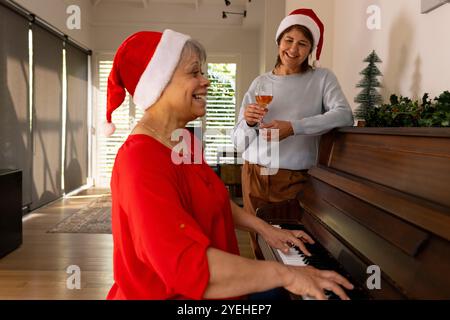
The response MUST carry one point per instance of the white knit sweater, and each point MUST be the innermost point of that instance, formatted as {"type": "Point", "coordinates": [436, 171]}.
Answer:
{"type": "Point", "coordinates": [313, 102]}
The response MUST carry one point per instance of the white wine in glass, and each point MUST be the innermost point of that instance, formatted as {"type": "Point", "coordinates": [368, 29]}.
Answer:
{"type": "Point", "coordinates": [264, 93]}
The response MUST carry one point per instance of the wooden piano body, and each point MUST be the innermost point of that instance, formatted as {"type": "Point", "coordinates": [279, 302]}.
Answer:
{"type": "Point", "coordinates": [380, 196]}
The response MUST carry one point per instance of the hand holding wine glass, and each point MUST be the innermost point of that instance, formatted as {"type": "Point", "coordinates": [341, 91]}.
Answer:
{"type": "Point", "coordinates": [264, 94]}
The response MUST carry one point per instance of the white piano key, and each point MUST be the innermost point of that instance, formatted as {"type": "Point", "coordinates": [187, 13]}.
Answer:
{"type": "Point", "coordinates": [292, 258]}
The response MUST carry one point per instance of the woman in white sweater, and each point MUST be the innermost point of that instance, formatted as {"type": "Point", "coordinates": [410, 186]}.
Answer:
{"type": "Point", "coordinates": [307, 102]}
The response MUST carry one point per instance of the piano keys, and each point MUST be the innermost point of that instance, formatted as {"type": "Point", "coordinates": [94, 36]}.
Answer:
{"type": "Point", "coordinates": [319, 259]}
{"type": "Point", "coordinates": [376, 197]}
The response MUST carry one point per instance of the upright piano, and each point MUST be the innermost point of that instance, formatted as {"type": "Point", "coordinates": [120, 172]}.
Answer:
{"type": "Point", "coordinates": [378, 198]}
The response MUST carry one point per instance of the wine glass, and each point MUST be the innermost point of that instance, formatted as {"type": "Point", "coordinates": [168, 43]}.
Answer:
{"type": "Point", "coordinates": [264, 94]}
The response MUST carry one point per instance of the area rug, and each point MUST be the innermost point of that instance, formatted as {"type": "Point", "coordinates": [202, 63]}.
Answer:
{"type": "Point", "coordinates": [93, 218]}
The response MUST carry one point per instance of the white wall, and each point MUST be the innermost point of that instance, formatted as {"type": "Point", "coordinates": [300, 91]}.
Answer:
{"type": "Point", "coordinates": [274, 12]}
{"type": "Point", "coordinates": [414, 47]}
{"type": "Point", "coordinates": [54, 12]}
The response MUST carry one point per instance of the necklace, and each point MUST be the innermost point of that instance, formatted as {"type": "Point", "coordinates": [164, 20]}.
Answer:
{"type": "Point", "coordinates": [156, 135]}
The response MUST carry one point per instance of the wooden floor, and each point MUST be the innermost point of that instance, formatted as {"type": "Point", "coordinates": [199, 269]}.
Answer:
{"type": "Point", "coordinates": [38, 269]}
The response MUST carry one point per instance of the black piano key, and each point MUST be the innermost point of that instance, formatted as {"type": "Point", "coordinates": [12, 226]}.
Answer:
{"type": "Point", "coordinates": [292, 226]}
{"type": "Point", "coordinates": [331, 295]}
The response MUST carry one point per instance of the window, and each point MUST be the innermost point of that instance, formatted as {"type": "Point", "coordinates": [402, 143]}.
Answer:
{"type": "Point", "coordinates": [44, 107]}
{"type": "Point", "coordinates": [124, 119]}
{"type": "Point", "coordinates": [221, 111]}
{"type": "Point", "coordinates": [216, 125]}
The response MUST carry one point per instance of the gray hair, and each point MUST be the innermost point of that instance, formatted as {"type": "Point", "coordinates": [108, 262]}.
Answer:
{"type": "Point", "coordinates": [193, 47]}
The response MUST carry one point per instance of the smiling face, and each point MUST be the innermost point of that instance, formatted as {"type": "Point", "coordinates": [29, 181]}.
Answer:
{"type": "Point", "coordinates": [187, 90]}
{"type": "Point", "coordinates": [293, 51]}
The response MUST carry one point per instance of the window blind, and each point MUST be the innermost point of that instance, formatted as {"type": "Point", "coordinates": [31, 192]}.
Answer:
{"type": "Point", "coordinates": [15, 130]}
{"type": "Point", "coordinates": [47, 116]}
{"type": "Point", "coordinates": [123, 117]}
{"type": "Point", "coordinates": [76, 136]}
{"type": "Point", "coordinates": [221, 112]}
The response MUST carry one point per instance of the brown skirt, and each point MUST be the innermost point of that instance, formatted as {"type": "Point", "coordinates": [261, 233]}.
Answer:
{"type": "Point", "coordinates": [258, 190]}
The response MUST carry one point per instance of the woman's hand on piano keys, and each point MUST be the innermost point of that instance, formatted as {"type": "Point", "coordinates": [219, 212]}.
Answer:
{"type": "Point", "coordinates": [283, 239]}
{"type": "Point", "coordinates": [311, 282]}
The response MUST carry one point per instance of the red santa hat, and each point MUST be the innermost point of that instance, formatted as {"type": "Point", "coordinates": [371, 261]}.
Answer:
{"type": "Point", "coordinates": [307, 18]}
{"type": "Point", "coordinates": [143, 65]}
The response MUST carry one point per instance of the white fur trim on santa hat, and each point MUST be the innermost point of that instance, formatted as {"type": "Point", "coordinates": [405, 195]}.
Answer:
{"type": "Point", "coordinates": [108, 129]}
{"type": "Point", "coordinates": [302, 20]}
{"type": "Point", "coordinates": [160, 69]}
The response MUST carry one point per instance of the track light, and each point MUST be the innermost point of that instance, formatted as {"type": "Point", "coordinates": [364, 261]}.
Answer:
{"type": "Point", "coordinates": [228, 2]}
{"type": "Point", "coordinates": [224, 13]}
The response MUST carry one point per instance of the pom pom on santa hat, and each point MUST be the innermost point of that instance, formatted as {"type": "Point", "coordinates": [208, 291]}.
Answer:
{"type": "Point", "coordinates": [307, 18]}
{"type": "Point", "coordinates": [143, 65]}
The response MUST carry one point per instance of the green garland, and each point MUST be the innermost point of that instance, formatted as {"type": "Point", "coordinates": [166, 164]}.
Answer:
{"type": "Point", "coordinates": [403, 112]}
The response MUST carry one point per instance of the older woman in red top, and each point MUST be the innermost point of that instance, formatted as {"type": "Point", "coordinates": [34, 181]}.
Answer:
{"type": "Point", "coordinates": [173, 222]}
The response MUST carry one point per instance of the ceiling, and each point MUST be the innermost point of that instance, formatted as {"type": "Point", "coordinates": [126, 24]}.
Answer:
{"type": "Point", "coordinates": [201, 12]}
{"type": "Point", "coordinates": [146, 3]}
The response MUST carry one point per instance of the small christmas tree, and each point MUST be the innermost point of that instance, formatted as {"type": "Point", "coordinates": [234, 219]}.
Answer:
{"type": "Point", "coordinates": [369, 97]}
